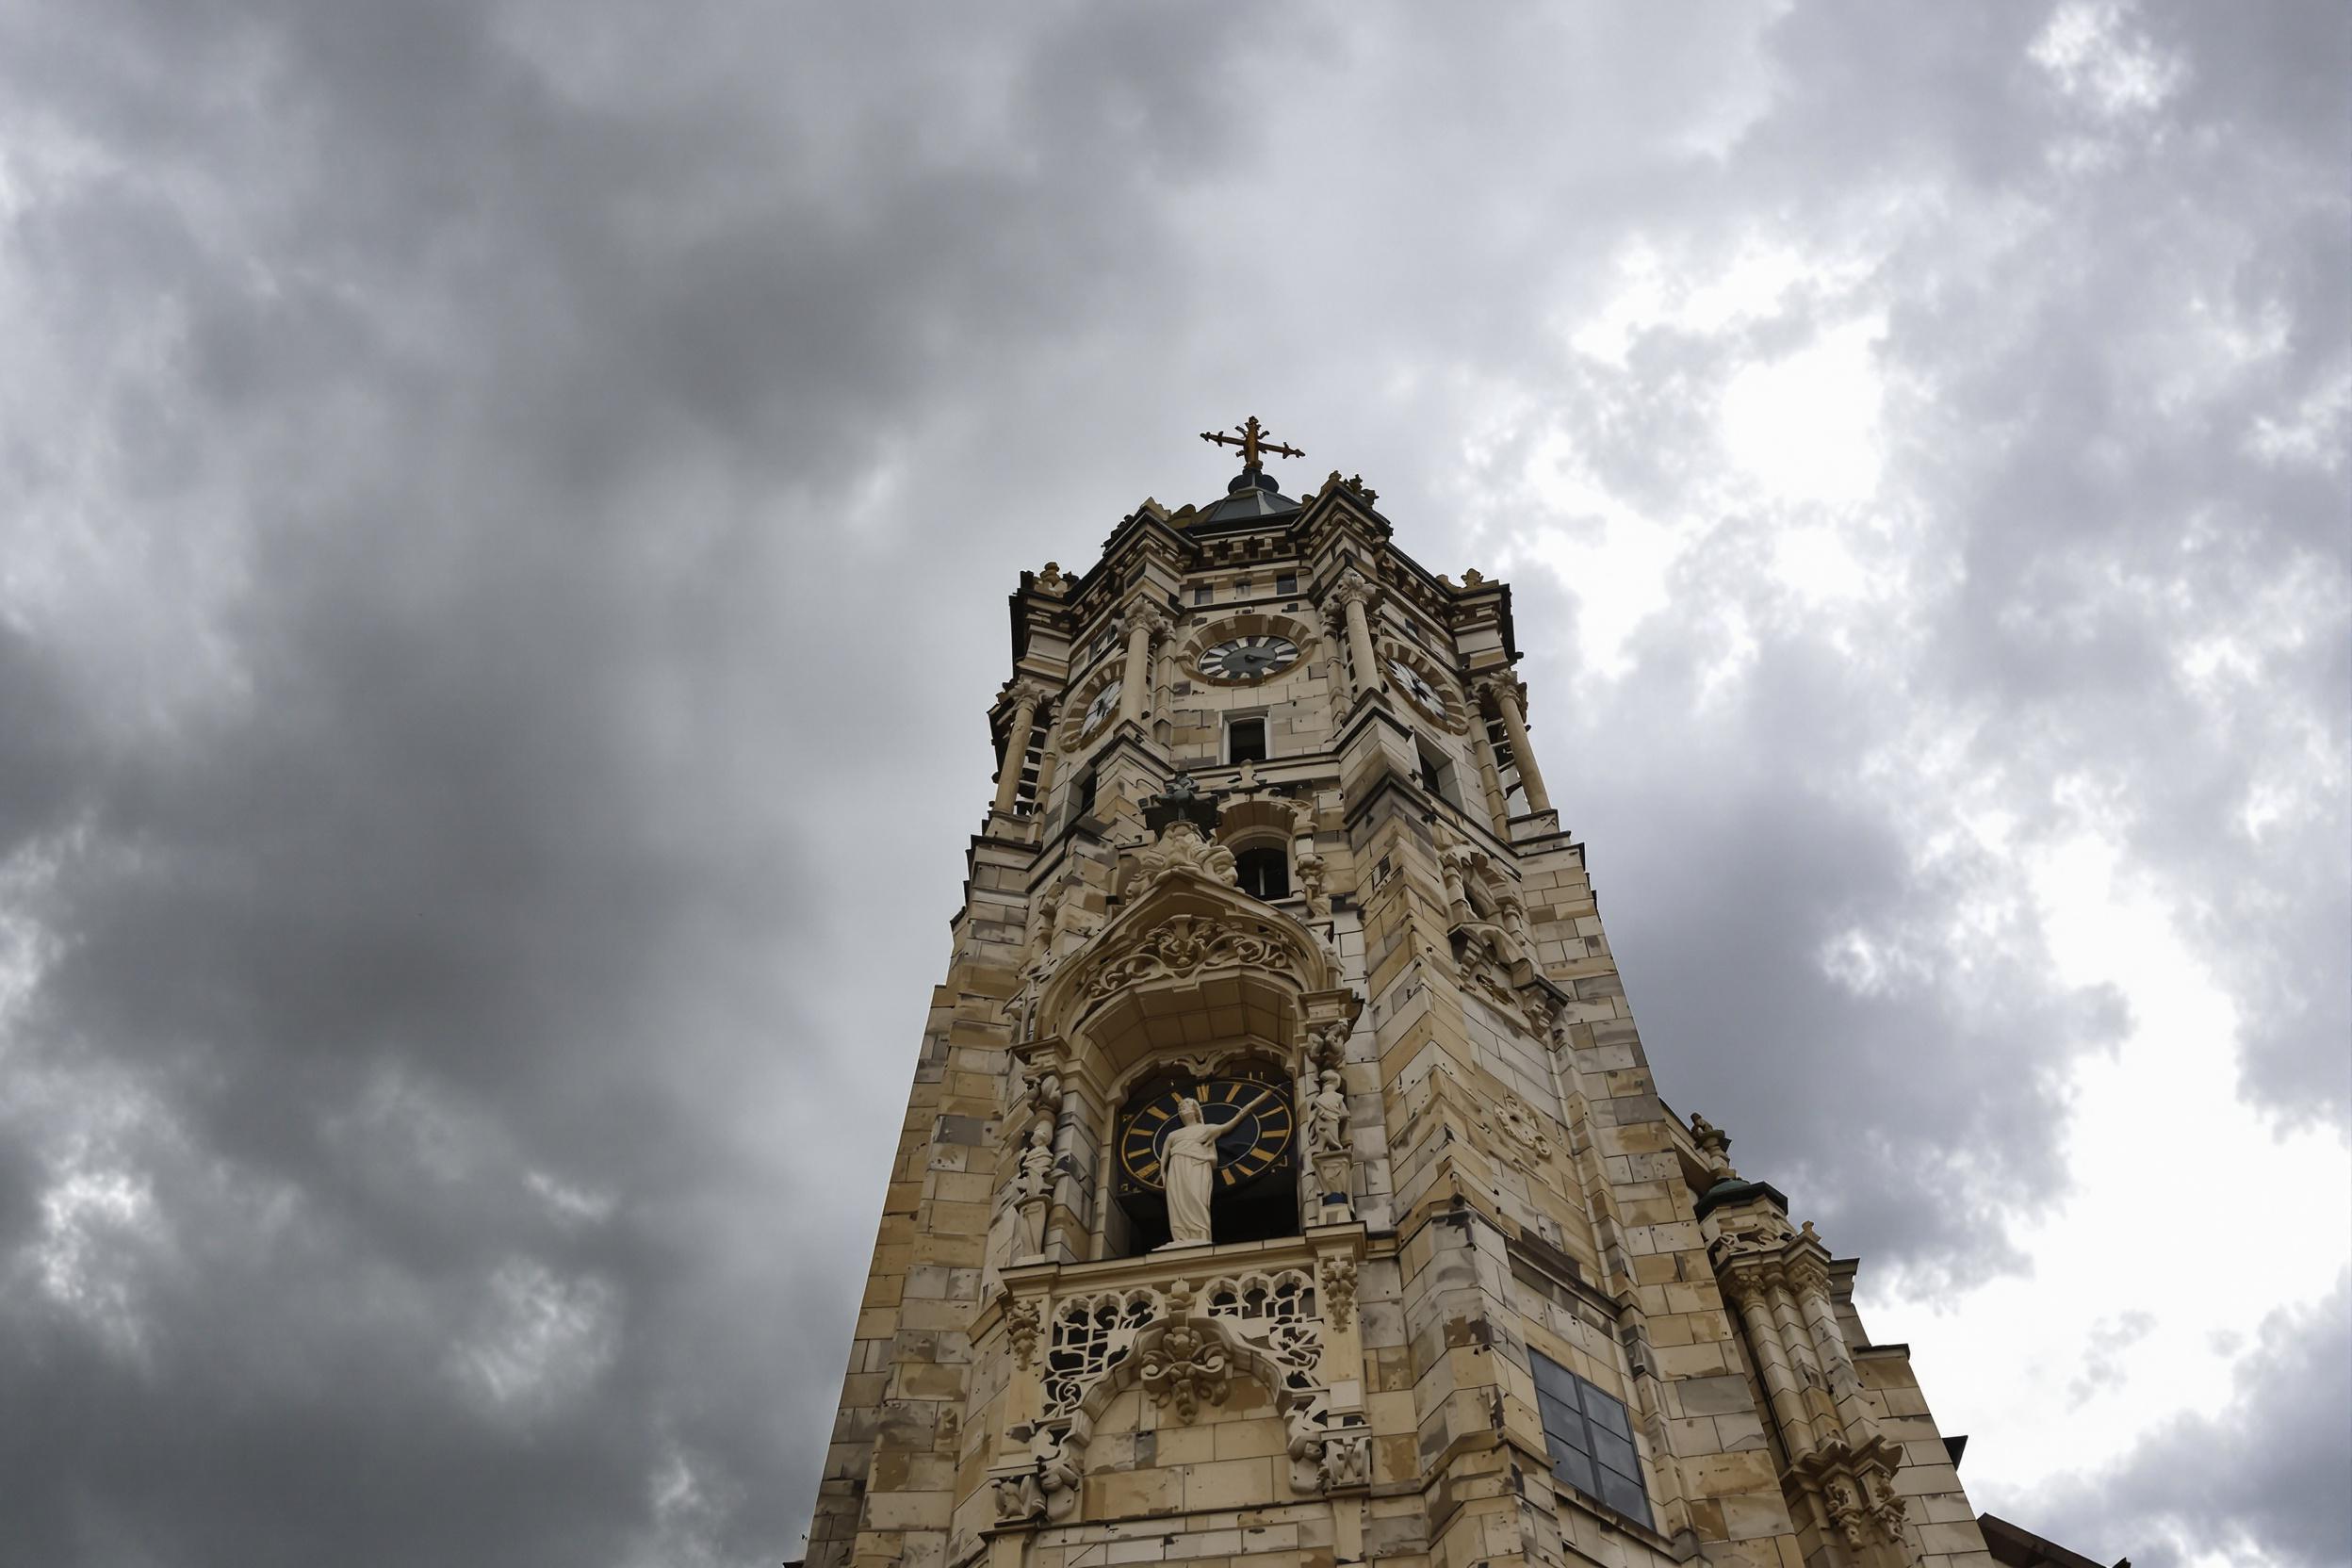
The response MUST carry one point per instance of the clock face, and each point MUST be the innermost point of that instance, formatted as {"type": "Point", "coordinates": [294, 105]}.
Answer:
{"type": "Point", "coordinates": [1251, 1144]}
{"type": "Point", "coordinates": [1420, 691]}
{"type": "Point", "coordinates": [1105, 703]}
{"type": "Point", "coordinates": [1252, 658]}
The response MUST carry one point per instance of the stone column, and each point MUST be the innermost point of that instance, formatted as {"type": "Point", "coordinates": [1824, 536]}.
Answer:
{"type": "Point", "coordinates": [1829, 1341]}
{"type": "Point", "coordinates": [1334, 623]}
{"type": "Point", "coordinates": [1028, 698]}
{"type": "Point", "coordinates": [1354, 594]}
{"type": "Point", "coordinates": [1814, 1382]}
{"type": "Point", "coordinates": [1752, 1296]}
{"type": "Point", "coordinates": [1490, 779]}
{"type": "Point", "coordinates": [1506, 694]}
{"type": "Point", "coordinates": [1145, 625]}
{"type": "Point", "coordinates": [1046, 765]}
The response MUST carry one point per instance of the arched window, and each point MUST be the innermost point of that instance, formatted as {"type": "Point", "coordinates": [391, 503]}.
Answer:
{"type": "Point", "coordinates": [1263, 873]}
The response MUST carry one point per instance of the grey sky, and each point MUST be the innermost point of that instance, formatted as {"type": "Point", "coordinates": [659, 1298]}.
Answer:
{"type": "Point", "coordinates": [504, 515]}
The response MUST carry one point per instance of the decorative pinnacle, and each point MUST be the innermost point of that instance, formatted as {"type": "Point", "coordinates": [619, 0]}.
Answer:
{"type": "Point", "coordinates": [1253, 442]}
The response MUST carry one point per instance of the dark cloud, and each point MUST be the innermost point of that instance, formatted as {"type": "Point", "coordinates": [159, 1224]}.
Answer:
{"type": "Point", "coordinates": [474, 851]}
{"type": "Point", "coordinates": [2263, 1479]}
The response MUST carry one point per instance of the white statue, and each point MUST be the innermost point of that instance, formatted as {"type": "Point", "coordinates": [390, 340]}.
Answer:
{"type": "Point", "coordinates": [1188, 1154]}
{"type": "Point", "coordinates": [1032, 1184]}
{"type": "Point", "coordinates": [1327, 1139]}
{"type": "Point", "coordinates": [1327, 1116]}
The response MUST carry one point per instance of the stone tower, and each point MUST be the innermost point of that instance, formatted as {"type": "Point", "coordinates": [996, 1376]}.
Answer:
{"type": "Point", "coordinates": [1272, 930]}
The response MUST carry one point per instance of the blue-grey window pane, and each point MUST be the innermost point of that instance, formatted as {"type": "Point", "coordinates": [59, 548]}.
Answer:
{"type": "Point", "coordinates": [1561, 1421]}
{"type": "Point", "coordinates": [1574, 1469]}
{"type": "Point", "coordinates": [1614, 1452]}
{"type": "Point", "coordinates": [1624, 1496]}
{"type": "Point", "coordinates": [1555, 1379]}
{"type": "Point", "coordinates": [1606, 1410]}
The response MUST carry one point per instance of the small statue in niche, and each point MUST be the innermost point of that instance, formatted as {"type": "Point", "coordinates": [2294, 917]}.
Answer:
{"type": "Point", "coordinates": [1037, 1162]}
{"type": "Point", "coordinates": [1327, 1139]}
{"type": "Point", "coordinates": [1327, 1116]}
{"type": "Point", "coordinates": [1032, 1185]}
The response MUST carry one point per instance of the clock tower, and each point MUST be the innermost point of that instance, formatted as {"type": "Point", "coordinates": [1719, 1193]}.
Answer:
{"type": "Point", "coordinates": [1284, 1178]}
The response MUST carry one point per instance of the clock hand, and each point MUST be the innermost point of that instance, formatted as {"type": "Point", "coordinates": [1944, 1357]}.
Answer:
{"type": "Point", "coordinates": [1264, 1095]}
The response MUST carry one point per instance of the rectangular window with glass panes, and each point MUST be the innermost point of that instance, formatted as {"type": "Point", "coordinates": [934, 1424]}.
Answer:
{"type": "Point", "coordinates": [1591, 1440]}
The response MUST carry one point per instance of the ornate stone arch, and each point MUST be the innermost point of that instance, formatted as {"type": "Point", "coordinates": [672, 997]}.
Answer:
{"type": "Point", "coordinates": [1188, 942]}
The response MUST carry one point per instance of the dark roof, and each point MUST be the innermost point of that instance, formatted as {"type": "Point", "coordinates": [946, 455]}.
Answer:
{"type": "Point", "coordinates": [1733, 1191]}
{"type": "Point", "coordinates": [1250, 497]}
{"type": "Point", "coordinates": [2016, 1547]}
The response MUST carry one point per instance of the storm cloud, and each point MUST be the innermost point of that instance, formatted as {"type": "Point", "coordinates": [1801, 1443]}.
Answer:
{"type": "Point", "coordinates": [503, 515]}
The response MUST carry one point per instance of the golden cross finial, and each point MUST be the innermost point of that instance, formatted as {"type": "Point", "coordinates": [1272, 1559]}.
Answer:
{"type": "Point", "coordinates": [1252, 441]}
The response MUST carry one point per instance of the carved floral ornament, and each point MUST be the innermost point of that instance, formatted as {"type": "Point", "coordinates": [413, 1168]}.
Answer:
{"type": "Point", "coordinates": [1482, 975]}
{"type": "Point", "coordinates": [1187, 1365]}
{"type": "Point", "coordinates": [1182, 1348]}
{"type": "Point", "coordinates": [1338, 1277]}
{"type": "Point", "coordinates": [1494, 690]}
{"type": "Point", "coordinates": [1187, 944]}
{"type": "Point", "coordinates": [1027, 693]}
{"type": "Point", "coordinates": [1522, 1135]}
{"type": "Point", "coordinates": [1149, 615]}
{"type": "Point", "coordinates": [1023, 1322]}
{"type": "Point", "coordinates": [1180, 847]}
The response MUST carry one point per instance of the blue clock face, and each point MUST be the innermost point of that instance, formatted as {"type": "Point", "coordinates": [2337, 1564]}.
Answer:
{"type": "Point", "coordinates": [1252, 658]}
{"type": "Point", "coordinates": [1251, 1144]}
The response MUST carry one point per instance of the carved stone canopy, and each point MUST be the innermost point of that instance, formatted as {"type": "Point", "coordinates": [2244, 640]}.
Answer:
{"type": "Point", "coordinates": [1186, 945]}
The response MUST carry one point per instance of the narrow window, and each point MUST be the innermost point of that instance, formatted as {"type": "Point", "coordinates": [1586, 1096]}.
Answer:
{"type": "Point", "coordinates": [1241, 588]}
{"type": "Point", "coordinates": [1203, 593]}
{"type": "Point", "coordinates": [1245, 741]}
{"type": "Point", "coordinates": [1263, 873]}
{"type": "Point", "coordinates": [1437, 775]}
{"type": "Point", "coordinates": [1590, 1439]}
{"type": "Point", "coordinates": [1086, 793]}
{"type": "Point", "coordinates": [1286, 583]}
